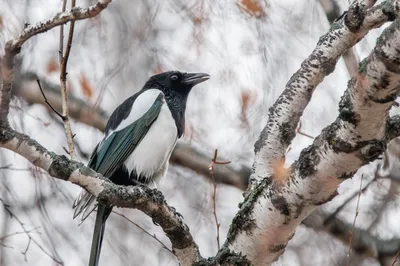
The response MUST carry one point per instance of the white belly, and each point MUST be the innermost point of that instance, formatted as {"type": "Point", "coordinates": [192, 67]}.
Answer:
{"type": "Point", "coordinates": [150, 157]}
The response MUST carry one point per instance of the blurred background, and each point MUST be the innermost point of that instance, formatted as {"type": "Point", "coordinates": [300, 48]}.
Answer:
{"type": "Point", "coordinates": [250, 48]}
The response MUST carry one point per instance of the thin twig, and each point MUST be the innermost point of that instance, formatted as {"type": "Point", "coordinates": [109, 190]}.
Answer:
{"type": "Point", "coordinates": [145, 231]}
{"type": "Point", "coordinates": [47, 101]}
{"type": "Point", "coordinates": [354, 222]}
{"type": "Point", "coordinates": [70, 37]}
{"type": "Point", "coordinates": [19, 233]}
{"type": "Point", "coordinates": [211, 168]}
{"type": "Point", "coordinates": [28, 234]}
{"type": "Point", "coordinates": [63, 79]}
{"type": "Point", "coordinates": [61, 49]}
{"type": "Point", "coordinates": [396, 257]}
{"type": "Point", "coordinates": [298, 130]}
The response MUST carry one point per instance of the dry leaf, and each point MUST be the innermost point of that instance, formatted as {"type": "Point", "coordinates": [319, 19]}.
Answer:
{"type": "Point", "coordinates": [70, 89]}
{"type": "Point", "coordinates": [86, 87]}
{"type": "Point", "coordinates": [158, 69]}
{"type": "Point", "coordinates": [251, 7]}
{"type": "Point", "coordinates": [281, 174]}
{"type": "Point", "coordinates": [197, 20]}
{"type": "Point", "coordinates": [52, 66]}
{"type": "Point", "coordinates": [247, 98]}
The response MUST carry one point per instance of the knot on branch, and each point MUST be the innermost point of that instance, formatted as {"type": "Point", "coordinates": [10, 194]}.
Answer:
{"type": "Point", "coordinates": [346, 107]}
{"type": "Point", "coordinates": [373, 149]}
{"type": "Point", "coordinates": [62, 167]}
{"type": "Point", "coordinates": [355, 17]}
{"type": "Point", "coordinates": [5, 133]}
{"type": "Point", "coordinates": [225, 257]}
{"type": "Point", "coordinates": [127, 196]}
{"type": "Point", "coordinates": [390, 9]}
{"type": "Point", "coordinates": [281, 204]}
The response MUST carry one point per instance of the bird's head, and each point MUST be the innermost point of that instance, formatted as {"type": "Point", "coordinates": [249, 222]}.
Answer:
{"type": "Point", "coordinates": [176, 81]}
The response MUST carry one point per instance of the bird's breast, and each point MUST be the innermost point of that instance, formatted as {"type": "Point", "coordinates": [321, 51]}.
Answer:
{"type": "Point", "coordinates": [150, 157]}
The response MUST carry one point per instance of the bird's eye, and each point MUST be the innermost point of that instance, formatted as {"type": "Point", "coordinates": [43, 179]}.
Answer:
{"type": "Point", "coordinates": [174, 77]}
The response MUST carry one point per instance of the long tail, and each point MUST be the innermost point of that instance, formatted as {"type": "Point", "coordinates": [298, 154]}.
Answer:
{"type": "Point", "coordinates": [102, 214]}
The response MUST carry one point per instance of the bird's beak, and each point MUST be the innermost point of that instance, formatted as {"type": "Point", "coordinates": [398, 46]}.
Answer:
{"type": "Point", "coordinates": [195, 78]}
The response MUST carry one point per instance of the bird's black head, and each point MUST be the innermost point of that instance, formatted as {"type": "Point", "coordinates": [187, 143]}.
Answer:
{"type": "Point", "coordinates": [176, 82]}
{"type": "Point", "coordinates": [176, 87]}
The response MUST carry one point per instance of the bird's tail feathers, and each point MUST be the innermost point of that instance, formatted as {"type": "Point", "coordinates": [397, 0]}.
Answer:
{"type": "Point", "coordinates": [102, 214]}
{"type": "Point", "coordinates": [84, 204]}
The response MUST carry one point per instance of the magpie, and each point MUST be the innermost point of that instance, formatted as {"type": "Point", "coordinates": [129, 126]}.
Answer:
{"type": "Point", "coordinates": [137, 143]}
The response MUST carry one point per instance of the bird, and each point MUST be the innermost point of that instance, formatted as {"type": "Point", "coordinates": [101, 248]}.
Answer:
{"type": "Point", "coordinates": [138, 140]}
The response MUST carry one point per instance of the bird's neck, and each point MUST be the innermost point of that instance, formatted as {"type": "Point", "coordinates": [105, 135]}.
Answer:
{"type": "Point", "coordinates": [177, 105]}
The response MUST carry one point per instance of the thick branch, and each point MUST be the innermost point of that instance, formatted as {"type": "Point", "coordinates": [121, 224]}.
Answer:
{"type": "Point", "coordinates": [149, 201]}
{"type": "Point", "coordinates": [188, 156]}
{"type": "Point", "coordinates": [26, 87]}
{"type": "Point", "coordinates": [271, 211]}
{"type": "Point", "coordinates": [332, 11]}
{"type": "Point", "coordinates": [13, 47]}
{"type": "Point", "coordinates": [285, 114]}
{"type": "Point", "coordinates": [363, 242]}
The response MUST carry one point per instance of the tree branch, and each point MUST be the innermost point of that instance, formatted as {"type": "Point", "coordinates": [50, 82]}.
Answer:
{"type": "Point", "coordinates": [149, 201]}
{"type": "Point", "coordinates": [271, 211]}
{"type": "Point", "coordinates": [13, 47]}
{"type": "Point", "coordinates": [26, 88]}
{"type": "Point", "coordinates": [63, 80]}
{"type": "Point", "coordinates": [285, 114]}
{"type": "Point", "coordinates": [28, 234]}
{"type": "Point", "coordinates": [143, 198]}
{"type": "Point", "coordinates": [187, 156]}
{"type": "Point", "coordinates": [332, 11]}
{"type": "Point", "coordinates": [363, 242]}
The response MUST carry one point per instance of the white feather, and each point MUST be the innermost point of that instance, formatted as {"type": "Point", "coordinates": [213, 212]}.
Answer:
{"type": "Point", "coordinates": [150, 157]}
{"type": "Point", "coordinates": [141, 105]}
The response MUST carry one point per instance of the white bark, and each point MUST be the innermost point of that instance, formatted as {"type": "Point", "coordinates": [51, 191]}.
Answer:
{"type": "Point", "coordinates": [287, 110]}
{"type": "Point", "coordinates": [271, 212]}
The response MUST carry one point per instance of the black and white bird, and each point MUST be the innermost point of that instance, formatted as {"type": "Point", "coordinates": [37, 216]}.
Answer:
{"type": "Point", "coordinates": [138, 140]}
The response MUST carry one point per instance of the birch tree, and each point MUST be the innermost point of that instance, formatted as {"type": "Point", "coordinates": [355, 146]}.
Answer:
{"type": "Point", "coordinates": [278, 197]}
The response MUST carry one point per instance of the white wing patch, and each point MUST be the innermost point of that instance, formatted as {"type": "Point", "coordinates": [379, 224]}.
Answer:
{"type": "Point", "coordinates": [141, 105]}
{"type": "Point", "coordinates": [150, 157]}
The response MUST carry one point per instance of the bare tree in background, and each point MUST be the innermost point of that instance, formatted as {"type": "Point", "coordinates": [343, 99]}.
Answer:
{"type": "Point", "coordinates": [277, 198]}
